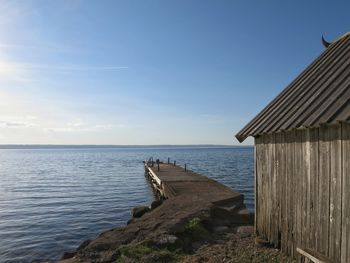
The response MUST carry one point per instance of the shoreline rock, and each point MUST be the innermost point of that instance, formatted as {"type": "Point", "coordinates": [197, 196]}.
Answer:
{"type": "Point", "coordinates": [139, 211]}
{"type": "Point", "coordinates": [180, 224]}
{"type": "Point", "coordinates": [197, 210]}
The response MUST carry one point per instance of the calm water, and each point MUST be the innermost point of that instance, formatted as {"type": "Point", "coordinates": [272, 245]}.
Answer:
{"type": "Point", "coordinates": [53, 199]}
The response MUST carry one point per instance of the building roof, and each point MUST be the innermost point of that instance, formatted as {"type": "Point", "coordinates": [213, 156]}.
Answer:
{"type": "Point", "coordinates": [319, 95]}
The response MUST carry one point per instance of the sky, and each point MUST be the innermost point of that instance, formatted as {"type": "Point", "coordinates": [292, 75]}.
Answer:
{"type": "Point", "coordinates": [151, 72]}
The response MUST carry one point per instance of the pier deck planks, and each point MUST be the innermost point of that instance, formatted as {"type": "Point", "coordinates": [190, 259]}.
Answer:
{"type": "Point", "coordinates": [176, 181]}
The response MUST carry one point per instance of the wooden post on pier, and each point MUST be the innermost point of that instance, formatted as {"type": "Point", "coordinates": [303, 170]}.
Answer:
{"type": "Point", "coordinates": [157, 161]}
{"type": "Point", "coordinates": [168, 160]}
{"type": "Point", "coordinates": [185, 168]}
{"type": "Point", "coordinates": [174, 163]}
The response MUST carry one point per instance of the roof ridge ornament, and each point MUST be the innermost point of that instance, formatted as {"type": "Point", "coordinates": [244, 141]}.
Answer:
{"type": "Point", "coordinates": [325, 43]}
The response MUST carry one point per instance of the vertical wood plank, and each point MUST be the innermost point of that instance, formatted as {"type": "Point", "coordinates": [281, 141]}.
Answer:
{"type": "Point", "coordinates": [291, 191]}
{"type": "Point", "coordinates": [270, 192]}
{"type": "Point", "coordinates": [298, 192]}
{"type": "Point", "coordinates": [272, 188]}
{"type": "Point", "coordinates": [256, 185]}
{"type": "Point", "coordinates": [273, 196]}
{"type": "Point", "coordinates": [259, 182]}
{"type": "Point", "coordinates": [279, 184]}
{"type": "Point", "coordinates": [263, 187]}
{"type": "Point", "coordinates": [314, 179]}
{"type": "Point", "coordinates": [306, 218]}
{"type": "Point", "coordinates": [284, 217]}
{"type": "Point", "coordinates": [289, 166]}
{"type": "Point", "coordinates": [345, 225]}
{"type": "Point", "coordinates": [324, 183]}
{"type": "Point", "coordinates": [287, 187]}
{"type": "Point", "coordinates": [335, 205]}
{"type": "Point", "coordinates": [267, 186]}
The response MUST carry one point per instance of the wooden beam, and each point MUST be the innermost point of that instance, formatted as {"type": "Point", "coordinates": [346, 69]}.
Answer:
{"type": "Point", "coordinates": [314, 256]}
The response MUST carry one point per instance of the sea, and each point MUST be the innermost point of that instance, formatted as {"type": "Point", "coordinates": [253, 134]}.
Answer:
{"type": "Point", "coordinates": [52, 199]}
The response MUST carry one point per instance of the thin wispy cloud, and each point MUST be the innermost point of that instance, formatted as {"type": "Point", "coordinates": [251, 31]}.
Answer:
{"type": "Point", "coordinates": [76, 124]}
{"type": "Point", "coordinates": [14, 124]}
{"type": "Point", "coordinates": [42, 48]}
{"type": "Point", "coordinates": [13, 121]}
{"type": "Point", "coordinates": [38, 67]}
{"type": "Point", "coordinates": [24, 72]}
{"type": "Point", "coordinates": [83, 127]}
{"type": "Point", "coordinates": [29, 66]}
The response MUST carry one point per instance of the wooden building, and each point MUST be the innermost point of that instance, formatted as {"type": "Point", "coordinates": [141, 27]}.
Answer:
{"type": "Point", "coordinates": [302, 160]}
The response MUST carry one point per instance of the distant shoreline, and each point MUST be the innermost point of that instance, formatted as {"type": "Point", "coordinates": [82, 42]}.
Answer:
{"type": "Point", "coordinates": [92, 146]}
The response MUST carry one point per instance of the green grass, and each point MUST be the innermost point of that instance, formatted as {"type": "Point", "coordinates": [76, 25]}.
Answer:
{"type": "Point", "coordinates": [148, 252]}
{"type": "Point", "coordinates": [195, 230]}
{"type": "Point", "coordinates": [145, 252]}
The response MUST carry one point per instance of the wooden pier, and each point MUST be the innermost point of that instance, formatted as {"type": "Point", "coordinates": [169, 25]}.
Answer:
{"type": "Point", "coordinates": [184, 196]}
{"type": "Point", "coordinates": [170, 181]}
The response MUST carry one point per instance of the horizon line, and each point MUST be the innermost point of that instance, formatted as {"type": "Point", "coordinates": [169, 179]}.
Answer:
{"type": "Point", "coordinates": [115, 145]}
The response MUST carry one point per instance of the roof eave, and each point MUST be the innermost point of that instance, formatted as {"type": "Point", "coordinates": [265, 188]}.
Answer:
{"type": "Point", "coordinates": [240, 137]}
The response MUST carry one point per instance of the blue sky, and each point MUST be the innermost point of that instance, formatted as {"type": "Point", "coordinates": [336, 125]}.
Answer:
{"type": "Point", "coordinates": [151, 72]}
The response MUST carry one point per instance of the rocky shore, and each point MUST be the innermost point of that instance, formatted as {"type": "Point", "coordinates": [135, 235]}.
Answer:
{"type": "Point", "coordinates": [182, 229]}
{"type": "Point", "coordinates": [186, 226]}
{"type": "Point", "coordinates": [177, 226]}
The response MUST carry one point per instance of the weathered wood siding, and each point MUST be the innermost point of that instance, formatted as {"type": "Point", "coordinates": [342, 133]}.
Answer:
{"type": "Point", "coordinates": [303, 190]}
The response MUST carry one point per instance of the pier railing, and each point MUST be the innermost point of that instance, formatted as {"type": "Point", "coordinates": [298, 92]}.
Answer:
{"type": "Point", "coordinates": [151, 163]}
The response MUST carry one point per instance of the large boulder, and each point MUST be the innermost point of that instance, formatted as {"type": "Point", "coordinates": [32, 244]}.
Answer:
{"type": "Point", "coordinates": [156, 203]}
{"type": "Point", "coordinates": [139, 211]}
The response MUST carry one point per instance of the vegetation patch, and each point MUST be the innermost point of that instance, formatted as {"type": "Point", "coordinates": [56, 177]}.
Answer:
{"type": "Point", "coordinates": [194, 232]}
{"type": "Point", "coordinates": [149, 252]}
{"type": "Point", "coordinates": [146, 252]}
